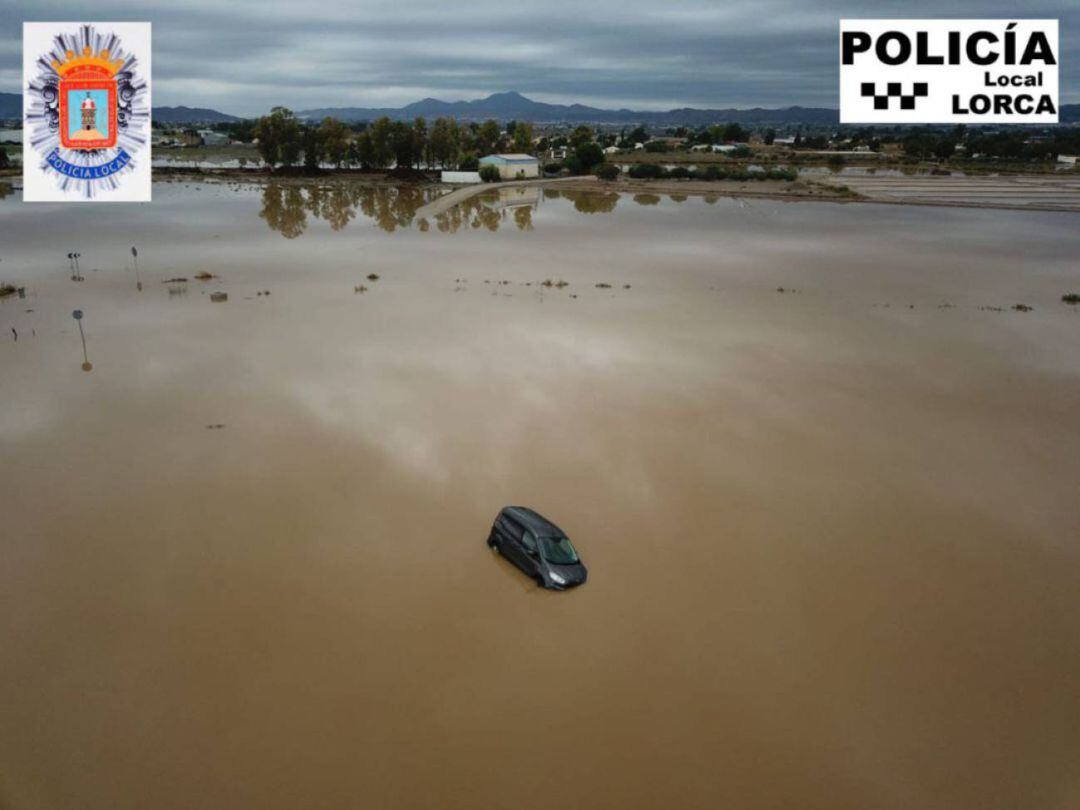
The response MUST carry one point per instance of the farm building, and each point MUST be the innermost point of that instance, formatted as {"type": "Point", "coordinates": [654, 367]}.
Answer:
{"type": "Point", "coordinates": [513, 166]}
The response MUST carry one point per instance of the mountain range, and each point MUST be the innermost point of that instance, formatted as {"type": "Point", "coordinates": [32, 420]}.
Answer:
{"type": "Point", "coordinates": [511, 105]}
{"type": "Point", "coordinates": [190, 115]}
{"type": "Point", "coordinates": [11, 107]}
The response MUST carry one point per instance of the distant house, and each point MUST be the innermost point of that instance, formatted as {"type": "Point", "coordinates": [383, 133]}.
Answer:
{"type": "Point", "coordinates": [1069, 160]}
{"type": "Point", "coordinates": [211, 138]}
{"type": "Point", "coordinates": [611, 150]}
{"type": "Point", "coordinates": [512, 166]}
{"type": "Point", "coordinates": [188, 137]}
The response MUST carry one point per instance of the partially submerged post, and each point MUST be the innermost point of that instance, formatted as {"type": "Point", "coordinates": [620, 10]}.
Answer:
{"type": "Point", "coordinates": [77, 315]}
{"type": "Point", "coordinates": [135, 255]}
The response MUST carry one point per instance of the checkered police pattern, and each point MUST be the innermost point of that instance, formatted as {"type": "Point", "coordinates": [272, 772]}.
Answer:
{"type": "Point", "coordinates": [894, 90]}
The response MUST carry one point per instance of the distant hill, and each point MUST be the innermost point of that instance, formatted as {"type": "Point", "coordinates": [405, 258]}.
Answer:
{"type": "Point", "coordinates": [189, 115]}
{"type": "Point", "coordinates": [506, 106]}
{"type": "Point", "coordinates": [10, 105]}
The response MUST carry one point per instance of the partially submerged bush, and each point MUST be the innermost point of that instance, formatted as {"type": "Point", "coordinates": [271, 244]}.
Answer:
{"type": "Point", "coordinates": [489, 173]}
{"type": "Point", "coordinates": [1071, 298]}
{"type": "Point", "coordinates": [646, 171]}
{"type": "Point", "coordinates": [607, 171]}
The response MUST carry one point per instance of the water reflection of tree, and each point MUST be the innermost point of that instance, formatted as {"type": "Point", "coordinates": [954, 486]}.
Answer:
{"type": "Point", "coordinates": [647, 199]}
{"type": "Point", "coordinates": [285, 208]}
{"type": "Point", "coordinates": [471, 213]}
{"type": "Point", "coordinates": [523, 218]}
{"type": "Point", "coordinates": [6, 190]}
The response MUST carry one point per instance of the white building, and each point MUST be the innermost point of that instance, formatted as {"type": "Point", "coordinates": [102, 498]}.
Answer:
{"type": "Point", "coordinates": [212, 138]}
{"type": "Point", "coordinates": [1069, 160]}
{"type": "Point", "coordinates": [513, 166]}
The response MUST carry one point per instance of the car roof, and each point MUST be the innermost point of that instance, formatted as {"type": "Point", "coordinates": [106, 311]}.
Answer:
{"type": "Point", "coordinates": [530, 519]}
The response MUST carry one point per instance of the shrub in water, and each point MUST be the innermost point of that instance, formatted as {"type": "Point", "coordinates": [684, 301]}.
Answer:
{"type": "Point", "coordinates": [646, 171]}
{"type": "Point", "coordinates": [607, 171]}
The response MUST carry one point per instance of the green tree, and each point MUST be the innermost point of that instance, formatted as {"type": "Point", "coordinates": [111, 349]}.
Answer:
{"type": "Point", "coordinates": [585, 158]}
{"type": "Point", "coordinates": [581, 135]}
{"type": "Point", "coordinates": [4, 161]}
{"type": "Point", "coordinates": [335, 140]}
{"type": "Point", "coordinates": [403, 144]}
{"type": "Point", "coordinates": [523, 136]}
{"type": "Point", "coordinates": [313, 149]}
{"type": "Point", "coordinates": [382, 151]}
{"type": "Point", "coordinates": [363, 151]}
{"type": "Point", "coordinates": [443, 152]}
{"type": "Point", "coordinates": [487, 137]}
{"type": "Point", "coordinates": [944, 149]}
{"type": "Point", "coordinates": [734, 132]}
{"type": "Point", "coordinates": [770, 137]}
{"type": "Point", "coordinates": [420, 140]}
{"type": "Point", "coordinates": [279, 137]}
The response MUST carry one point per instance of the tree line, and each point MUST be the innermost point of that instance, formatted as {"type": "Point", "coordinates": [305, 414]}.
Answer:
{"type": "Point", "coordinates": [286, 141]}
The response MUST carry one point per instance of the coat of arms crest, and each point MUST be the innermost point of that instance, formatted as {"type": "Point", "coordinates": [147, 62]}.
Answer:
{"type": "Point", "coordinates": [87, 112]}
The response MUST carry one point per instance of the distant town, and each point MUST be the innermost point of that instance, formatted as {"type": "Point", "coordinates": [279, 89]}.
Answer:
{"type": "Point", "coordinates": [562, 140]}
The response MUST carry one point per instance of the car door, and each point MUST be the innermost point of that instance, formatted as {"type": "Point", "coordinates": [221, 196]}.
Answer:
{"type": "Point", "coordinates": [514, 549]}
{"type": "Point", "coordinates": [508, 536]}
{"type": "Point", "coordinates": [530, 552]}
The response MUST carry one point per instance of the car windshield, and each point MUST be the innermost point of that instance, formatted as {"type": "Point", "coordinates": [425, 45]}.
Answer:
{"type": "Point", "coordinates": [558, 550]}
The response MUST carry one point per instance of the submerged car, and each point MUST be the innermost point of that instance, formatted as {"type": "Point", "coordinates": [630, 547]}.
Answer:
{"type": "Point", "coordinates": [538, 547]}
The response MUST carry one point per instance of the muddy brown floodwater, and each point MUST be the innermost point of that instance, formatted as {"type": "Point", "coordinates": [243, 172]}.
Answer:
{"type": "Point", "coordinates": [832, 532]}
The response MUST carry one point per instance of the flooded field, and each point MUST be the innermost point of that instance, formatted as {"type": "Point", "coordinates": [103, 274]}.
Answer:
{"type": "Point", "coordinates": [823, 474]}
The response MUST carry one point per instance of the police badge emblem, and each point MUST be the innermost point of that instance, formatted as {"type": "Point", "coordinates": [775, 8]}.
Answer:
{"type": "Point", "coordinates": [86, 111]}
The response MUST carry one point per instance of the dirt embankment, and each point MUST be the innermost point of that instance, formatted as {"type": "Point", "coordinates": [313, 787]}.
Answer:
{"type": "Point", "coordinates": [785, 189]}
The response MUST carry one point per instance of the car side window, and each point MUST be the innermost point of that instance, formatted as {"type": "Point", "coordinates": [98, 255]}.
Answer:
{"type": "Point", "coordinates": [528, 541]}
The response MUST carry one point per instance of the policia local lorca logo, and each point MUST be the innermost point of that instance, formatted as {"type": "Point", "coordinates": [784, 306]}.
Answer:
{"type": "Point", "coordinates": [948, 71]}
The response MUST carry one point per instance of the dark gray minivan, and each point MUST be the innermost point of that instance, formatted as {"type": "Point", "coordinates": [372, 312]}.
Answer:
{"type": "Point", "coordinates": [538, 547]}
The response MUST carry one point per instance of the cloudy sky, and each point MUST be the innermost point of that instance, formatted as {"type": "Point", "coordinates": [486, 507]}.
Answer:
{"type": "Point", "coordinates": [243, 56]}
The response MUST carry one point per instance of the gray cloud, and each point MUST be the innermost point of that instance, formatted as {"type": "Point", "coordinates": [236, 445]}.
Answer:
{"type": "Point", "coordinates": [246, 55]}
